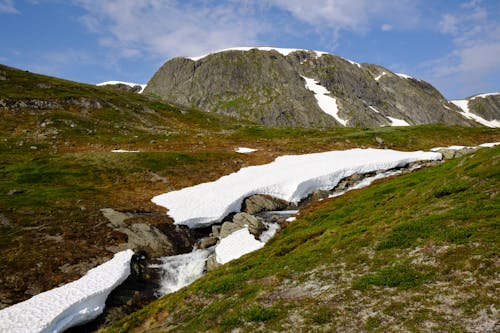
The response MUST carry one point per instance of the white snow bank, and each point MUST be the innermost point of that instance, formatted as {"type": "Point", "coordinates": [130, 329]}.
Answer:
{"type": "Point", "coordinates": [236, 245]}
{"type": "Point", "coordinates": [327, 103]}
{"type": "Point", "coordinates": [397, 122]}
{"type": "Point", "coordinates": [489, 144]}
{"type": "Point", "coordinates": [181, 270]}
{"type": "Point", "coordinates": [373, 109]}
{"type": "Point", "coordinates": [69, 305]}
{"type": "Point", "coordinates": [244, 150]}
{"type": "Point", "coordinates": [289, 178]}
{"type": "Point", "coordinates": [464, 105]}
{"type": "Point", "coordinates": [130, 84]}
{"type": "Point", "coordinates": [124, 151]}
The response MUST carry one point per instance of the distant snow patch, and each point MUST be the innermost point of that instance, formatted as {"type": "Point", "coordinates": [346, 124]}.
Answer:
{"type": "Point", "coordinates": [244, 150]}
{"type": "Point", "coordinates": [373, 109]}
{"type": "Point", "coordinates": [483, 95]}
{"type": "Point", "coordinates": [327, 103]}
{"type": "Point", "coordinates": [397, 122]}
{"type": "Point", "coordinates": [291, 219]}
{"type": "Point", "coordinates": [236, 245]}
{"type": "Point", "coordinates": [464, 105]}
{"type": "Point", "coordinates": [380, 76]}
{"type": "Point", "coordinates": [130, 84]}
{"type": "Point", "coordinates": [352, 62]}
{"type": "Point", "coordinates": [404, 76]}
{"type": "Point", "coordinates": [71, 304]}
{"type": "Point", "coordinates": [485, 145]}
{"type": "Point", "coordinates": [124, 151]}
{"type": "Point", "coordinates": [290, 178]}
{"type": "Point", "coordinates": [283, 51]}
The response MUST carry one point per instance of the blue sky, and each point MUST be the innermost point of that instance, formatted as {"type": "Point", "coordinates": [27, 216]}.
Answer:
{"type": "Point", "coordinates": [455, 45]}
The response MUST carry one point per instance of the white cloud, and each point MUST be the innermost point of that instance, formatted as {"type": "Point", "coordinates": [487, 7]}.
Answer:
{"type": "Point", "coordinates": [352, 15]}
{"type": "Point", "coordinates": [170, 28]}
{"type": "Point", "coordinates": [386, 27]}
{"type": "Point", "coordinates": [474, 61]}
{"type": "Point", "coordinates": [7, 7]}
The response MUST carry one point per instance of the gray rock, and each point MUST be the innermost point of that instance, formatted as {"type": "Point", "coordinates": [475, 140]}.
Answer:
{"type": "Point", "coordinates": [486, 107]}
{"type": "Point", "coordinates": [216, 230]}
{"type": "Point", "coordinates": [212, 263]}
{"type": "Point", "coordinates": [144, 237]}
{"type": "Point", "coordinates": [449, 154]}
{"type": "Point", "coordinates": [116, 218]}
{"type": "Point", "coordinates": [207, 242]}
{"type": "Point", "coordinates": [228, 228]}
{"type": "Point", "coordinates": [259, 203]}
{"type": "Point", "coordinates": [255, 225]}
{"type": "Point", "coordinates": [268, 88]}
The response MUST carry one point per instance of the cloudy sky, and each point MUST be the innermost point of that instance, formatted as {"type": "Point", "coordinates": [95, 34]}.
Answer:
{"type": "Point", "coordinates": [453, 44]}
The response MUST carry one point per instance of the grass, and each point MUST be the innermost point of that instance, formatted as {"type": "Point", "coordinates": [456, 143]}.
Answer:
{"type": "Point", "coordinates": [57, 172]}
{"type": "Point", "coordinates": [395, 250]}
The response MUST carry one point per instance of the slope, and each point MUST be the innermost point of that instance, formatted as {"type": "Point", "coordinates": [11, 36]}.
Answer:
{"type": "Point", "coordinates": [270, 86]}
{"type": "Point", "coordinates": [57, 168]}
{"type": "Point", "coordinates": [415, 253]}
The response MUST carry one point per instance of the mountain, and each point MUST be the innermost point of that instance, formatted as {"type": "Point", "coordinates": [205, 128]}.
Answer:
{"type": "Point", "coordinates": [484, 108]}
{"type": "Point", "coordinates": [291, 87]}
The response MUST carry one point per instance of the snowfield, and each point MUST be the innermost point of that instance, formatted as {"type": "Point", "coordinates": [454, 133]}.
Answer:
{"type": "Point", "coordinates": [326, 103]}
{"type": "Point", "coordinates": [244, 150]}
{"type": "Point", "coordinates": [236, 245]}
{"type": "Point", "coordinates": [291, 178]}
{"type": "Point", "coordinates": [71, 304]}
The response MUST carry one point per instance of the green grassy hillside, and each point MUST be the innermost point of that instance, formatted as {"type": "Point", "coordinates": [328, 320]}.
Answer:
{"type": "Point", "coordinates": [415, 253]}
{"type": "Point", "coordinates": [57, 170]}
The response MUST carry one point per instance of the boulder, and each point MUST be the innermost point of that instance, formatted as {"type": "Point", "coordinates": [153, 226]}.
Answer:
{"type": "Point", "coordinates": [148, 238]}
{"type": "Point", "coordinates": [259, 203]}
{"type": "Point", "coordinates": [212, 263]}
{"type": "Point", "coordinates": [207, 242]}
{"type": "Point", "coordinates": [240, 221]}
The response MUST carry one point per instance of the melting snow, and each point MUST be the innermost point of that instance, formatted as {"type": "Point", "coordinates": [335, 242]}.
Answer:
{"type": "Point", "coordinates": [404, 76]}
{"type": "Point", "coordinates": [181, 270]}
{"type": "Point", "coordinates": [486, 145]}
{"type": "Point", "coordinates": [69, 305]}
{"type": "Point", "coordinates": [464, 105]}
{"type": "Point", "coordinates": [283, 51]}
{"type": "Point", "coordinates": [289, 178]}
{"type": "Point", "coordinates": [124, 151]}
{"type": "Point", "coordinates": [130, 84]}
{"type": "Point", "coordinates": [327, 103]}
{"type": "Point", "coordinates": [236, 245]}
{"type": "Point", "coordinates": [397, 122]}
{"type": "Point", "coordinates": [380, 76]}
{"type": "Point", "coordinates": [484, 95]}
{"type": "Point", "coordinates": [244, 150]}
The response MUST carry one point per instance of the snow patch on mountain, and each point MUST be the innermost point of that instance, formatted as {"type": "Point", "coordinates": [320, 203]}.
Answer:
{"type": "Point", "coordinates": [71, 304]}
{"type": "Point", "coordinates": [404, 76]}
{"type": "Point", "coordinates": [326, 103]}
{"type": "Point", "coordinates": [397, 122]}
{"type": "Point", "coordinates": [378, 77]}
{"type": "Point", "coordinates": [130, 84]}
{"type": "Point", "coordinates": [464, 105]}
{"type": "Point", "coordinates": [290, 178]}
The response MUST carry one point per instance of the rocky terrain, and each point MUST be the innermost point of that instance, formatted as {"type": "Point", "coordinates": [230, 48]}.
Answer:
{"type": "Point", "coordinates": [68, 202]}
{"type": "Point", "coordinates": [268, 86]}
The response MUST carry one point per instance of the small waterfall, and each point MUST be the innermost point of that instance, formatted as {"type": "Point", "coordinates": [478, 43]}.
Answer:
{"type": "Point", "coordinates": [181, 270]}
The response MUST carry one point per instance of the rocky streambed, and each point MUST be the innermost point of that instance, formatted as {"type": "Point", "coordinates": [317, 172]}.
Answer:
{"type": "Point", "coordinates": [191, 252]}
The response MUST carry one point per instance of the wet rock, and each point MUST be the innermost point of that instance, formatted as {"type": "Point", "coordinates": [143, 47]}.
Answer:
{"type": "Point", "coordinates": [216, 230]}
{"type": "Point", "coordinates": [207, 242]}
{"type": "Point", "coordinates": [148, 238]}
{"type": "Point", "coordinates": [259, 202]}
{"type": "Point", "coordinates": [212, 263]}
{"type": "Point", "coordinates": [255, 225]}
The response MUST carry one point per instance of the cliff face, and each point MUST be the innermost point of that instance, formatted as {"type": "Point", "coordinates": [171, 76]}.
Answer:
{"type": "Point", "coordinates": [268, 86]}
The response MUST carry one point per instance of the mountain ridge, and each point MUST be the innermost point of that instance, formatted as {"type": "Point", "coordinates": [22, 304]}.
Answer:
{"type": "Point", "coordinates": [266, 85]}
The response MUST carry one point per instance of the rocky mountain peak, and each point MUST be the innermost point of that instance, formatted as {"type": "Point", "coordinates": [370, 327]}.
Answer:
{"type": "Point", "coordinates": [294, 87]}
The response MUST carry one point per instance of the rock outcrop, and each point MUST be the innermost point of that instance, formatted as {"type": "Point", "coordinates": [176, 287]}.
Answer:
{"type": "Point", "coordinates": [268, 86]}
